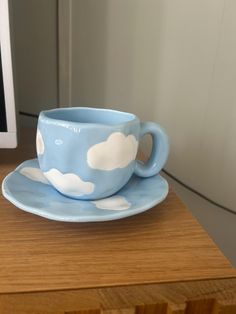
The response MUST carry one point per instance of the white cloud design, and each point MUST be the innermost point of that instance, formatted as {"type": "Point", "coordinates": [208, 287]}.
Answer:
{"type": "Point", "coordinates": [39, 143]}
{"type": "Point", "coordinates": [116, 202]}
{"type": "Point", "coordinates": [116, 152]}
{"type": "Point", "coordinates": [58, 141]}
{"type": "Point", "coordinates": [34, 174]}
{"type": "Point", "coordinates": [69, 183]}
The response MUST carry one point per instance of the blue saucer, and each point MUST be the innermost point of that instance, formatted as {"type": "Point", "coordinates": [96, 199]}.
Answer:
{"type": "Point", "coordinates": [27, 189]}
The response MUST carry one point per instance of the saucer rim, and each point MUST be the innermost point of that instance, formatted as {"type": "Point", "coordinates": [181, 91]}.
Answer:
{"type": "Point", "coordinates": [91, 218]}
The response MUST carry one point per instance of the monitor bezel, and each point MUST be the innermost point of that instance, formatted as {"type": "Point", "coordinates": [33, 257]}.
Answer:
{"type": "Point", "coordinates": [7, 139]}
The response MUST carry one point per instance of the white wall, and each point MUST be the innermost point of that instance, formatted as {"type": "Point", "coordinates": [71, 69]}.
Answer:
{"type": "Point", "coordinates": [173, 62]}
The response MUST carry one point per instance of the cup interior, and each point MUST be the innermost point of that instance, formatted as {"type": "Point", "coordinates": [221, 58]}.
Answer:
{"type": "Point", "coordinates": [90, 115]}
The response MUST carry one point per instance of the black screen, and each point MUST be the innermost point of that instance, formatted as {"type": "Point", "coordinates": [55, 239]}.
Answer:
{"type": "Point", "coordinates": [3, 122]}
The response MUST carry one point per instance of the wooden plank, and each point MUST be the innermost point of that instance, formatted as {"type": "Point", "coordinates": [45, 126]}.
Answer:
{"type": "Point", "coordinates": [197, 297]}
{"type": "Point", "coordinates": [164, 244]}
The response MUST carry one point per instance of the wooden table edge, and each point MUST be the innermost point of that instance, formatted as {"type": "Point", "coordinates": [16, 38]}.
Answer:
{"type": "Point", "coordinates": [198, 296]}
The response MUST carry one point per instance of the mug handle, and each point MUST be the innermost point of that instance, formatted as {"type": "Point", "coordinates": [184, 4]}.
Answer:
{"type": "Point", "coordinates": [160, 150]}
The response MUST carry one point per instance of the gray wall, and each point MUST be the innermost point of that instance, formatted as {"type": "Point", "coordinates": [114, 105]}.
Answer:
{"type": "Point", "coordinates": [34, 40]}
{"type": "Point", "coordinates": [169, 61]}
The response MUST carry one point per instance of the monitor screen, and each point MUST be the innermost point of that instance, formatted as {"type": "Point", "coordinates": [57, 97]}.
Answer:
{"type": "Point", "coordinates": [3, 120]}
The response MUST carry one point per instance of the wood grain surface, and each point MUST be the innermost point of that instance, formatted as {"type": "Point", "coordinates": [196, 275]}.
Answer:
{"type": "Point", "coordinates": [203, 297]}
{"type": "Point", "coordinates": [164, 244]}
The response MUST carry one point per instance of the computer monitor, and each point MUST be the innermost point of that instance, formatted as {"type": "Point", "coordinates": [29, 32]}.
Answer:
{"type": "Point", "coordinates": [7, 95]}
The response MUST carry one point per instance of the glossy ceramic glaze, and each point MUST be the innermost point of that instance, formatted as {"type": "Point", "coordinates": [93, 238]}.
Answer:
{"type": "Point", "coordinates": [29, 190]}
{"type": "Point", "coordinates": [89, 153]}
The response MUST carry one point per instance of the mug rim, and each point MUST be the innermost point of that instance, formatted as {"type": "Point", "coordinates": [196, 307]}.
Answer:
{"type": "Point", "coordinates": [45, 118]}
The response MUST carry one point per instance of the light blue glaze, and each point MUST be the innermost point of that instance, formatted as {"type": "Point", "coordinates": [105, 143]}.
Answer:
{"type": "Point", "coordinates": [43, 200]}
{"type": "Point", "coordinates": [69, 133]}
{"type": "Point", "coordinates": [160, 150]}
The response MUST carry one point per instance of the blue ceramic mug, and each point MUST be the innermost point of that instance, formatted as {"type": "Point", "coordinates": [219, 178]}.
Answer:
{"type": "Point", "coordinates": [89, 153]}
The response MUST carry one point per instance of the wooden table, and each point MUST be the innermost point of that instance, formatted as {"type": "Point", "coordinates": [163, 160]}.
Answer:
{"type": "Point", "coordinates": [160, 261]}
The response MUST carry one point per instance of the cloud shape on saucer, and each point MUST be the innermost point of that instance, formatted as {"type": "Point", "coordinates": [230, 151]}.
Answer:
{"type": "Point", "coordinates": [39, 143]}
{"type": "Point", "coordinates": [116, 202]}
{"type": "Point", "coordinates": [69, 183]}
{"type": "Point", "coordinates": [116, 152]}
{"type": "Point", "coordinates": [34, 174]}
